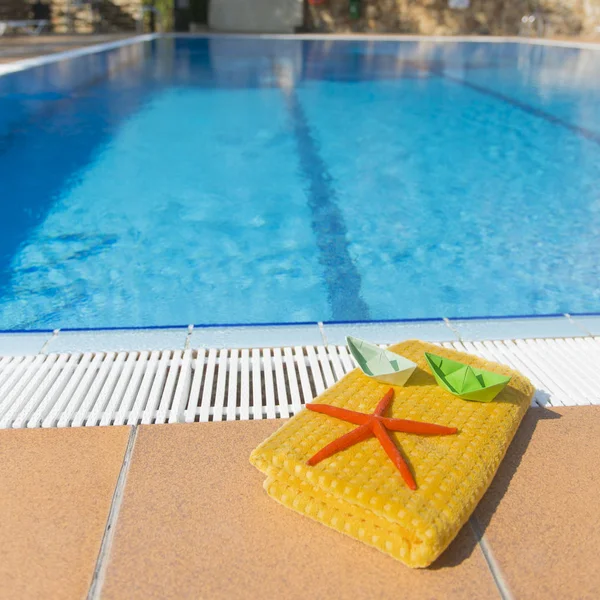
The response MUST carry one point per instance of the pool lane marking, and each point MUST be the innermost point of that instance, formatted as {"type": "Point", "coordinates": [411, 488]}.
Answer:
{"type": "Point", "coordinates": [342, 278]}
{"type": "Point", "coordinates": [588, 134]}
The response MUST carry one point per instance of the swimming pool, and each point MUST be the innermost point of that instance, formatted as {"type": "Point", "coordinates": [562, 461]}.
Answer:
{"type": "Point", "coordinates": [240, 180]}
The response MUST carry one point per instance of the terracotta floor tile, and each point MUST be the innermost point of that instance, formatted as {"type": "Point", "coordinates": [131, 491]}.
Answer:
{"type": "Point", "coordinates": [56, 488]}
{"type": "Point", "coordinates": [195, 522]}
{"type": "Point", "coordinates": [544, 528]}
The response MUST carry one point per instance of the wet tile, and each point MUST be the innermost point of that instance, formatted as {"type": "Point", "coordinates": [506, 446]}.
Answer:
{"type": "Point", "coordinates": [196, 522]}
{"type": "Point", "coordinates": [56, 489]}
{"type": "Point", "coordinates": [18, 344]}
{"type": "Point", "coordinates": [256, 337]}
{"type": "Point", "coordinates": [118, 340]}
{"type": "Point", "coordinates": [389, 333]}
{"type": "Point", "coordinates": [540, 515]}
{"type": "Point", "coordinates": [511, 329]}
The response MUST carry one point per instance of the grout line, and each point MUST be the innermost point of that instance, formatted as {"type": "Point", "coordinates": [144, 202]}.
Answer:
{"type": "Point", "coordinates": [576, 324]}
{"type": "Point", "coordinates": [113, 515]}
{"type": "Point", "coordinates": [322, 330]}
{"type": "Point", "coordinates": [47, 342]}
{"type": "Point", "coordinates": [188, 337]}
{"type": "Point", "coordinates": [452, 329]}
{"type": "Point", "coordinates": [492, 564]}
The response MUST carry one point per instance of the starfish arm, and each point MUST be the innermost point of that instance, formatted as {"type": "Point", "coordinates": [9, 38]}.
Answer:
{"type": "Point", "coordinates": [416, 427]}
{"type": "Point", "coordinates": [394, 454]}
{"type": "Point", "coordinates": [356, 435]}
{"type": "Point", "coordinates": [384, 403]}
{"type": "Point", "coordinates": [340, 413]}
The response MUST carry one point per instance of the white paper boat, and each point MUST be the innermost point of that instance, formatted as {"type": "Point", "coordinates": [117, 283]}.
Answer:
{"type": "Point", "coordinates": [382, 365]}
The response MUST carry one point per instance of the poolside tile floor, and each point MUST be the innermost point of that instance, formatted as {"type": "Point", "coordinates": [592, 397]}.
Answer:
{"type": "Point", "coordinates": [246, 337]}
{"type": "Point", "coordinates": [541, 515]}
{"type": "Point", "coordinates": [117, 340]}
{"type": "Point", "coordinates": [194, 520]}
{"type": "Point", "coordinates": [16, 344]}
{"type": "Point", "coordinates": [589, 324]}
{"type": "Point", "coordinates": [390, 332]}
{"type": "Point", "coordinates": [56, 490]}
{"type": "Point", "coordinates": [503, 329]}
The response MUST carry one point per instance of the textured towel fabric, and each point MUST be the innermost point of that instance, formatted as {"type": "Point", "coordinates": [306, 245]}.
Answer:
{"type": "Point", "coordinates": [359, 492]}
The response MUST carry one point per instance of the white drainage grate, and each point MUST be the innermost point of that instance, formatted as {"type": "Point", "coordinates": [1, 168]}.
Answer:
{"type": "Point", "coordinates": [129, 388]}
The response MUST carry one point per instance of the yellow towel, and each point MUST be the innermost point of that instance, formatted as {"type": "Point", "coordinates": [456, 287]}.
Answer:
{"type": "Point", "coordinates": [359, 492]}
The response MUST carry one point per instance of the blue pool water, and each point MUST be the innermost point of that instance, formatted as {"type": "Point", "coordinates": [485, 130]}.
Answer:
{"type": "Point", "coordinates": [246, 181]}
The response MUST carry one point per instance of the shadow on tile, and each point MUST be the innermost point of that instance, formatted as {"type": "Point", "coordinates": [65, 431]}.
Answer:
{"type": "Point", "coordinates": [468, 538]}
{"type": "Point", "coordinates": [510, 464]}
{"type": "Point", "coordinates": [458, 551]}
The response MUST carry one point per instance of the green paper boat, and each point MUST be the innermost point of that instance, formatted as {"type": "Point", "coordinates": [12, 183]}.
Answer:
{"type": "Point", "coordinates": [382, 365]}
{"type": "Point", "coordinates": [465, 381]}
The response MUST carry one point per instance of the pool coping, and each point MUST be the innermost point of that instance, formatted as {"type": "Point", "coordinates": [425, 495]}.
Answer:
{"type": "Point", "coordinates": [19, 342]}
{"type": "Point", "coordinates": [28, 63]}
{"type": "Point", "coordinates": [394, 37]}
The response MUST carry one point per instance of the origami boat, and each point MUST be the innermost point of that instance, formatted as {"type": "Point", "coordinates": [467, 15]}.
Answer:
{"type": "Point", "coordinates": [464, 381]}
{"type": "Point", "coordinates": [382, 365]}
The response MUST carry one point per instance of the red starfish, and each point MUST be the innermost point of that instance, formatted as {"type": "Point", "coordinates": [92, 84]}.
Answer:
{"type": "Point", "coordinates": [377, 425]}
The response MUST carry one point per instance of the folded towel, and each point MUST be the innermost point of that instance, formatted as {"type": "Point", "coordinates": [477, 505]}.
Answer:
{"type": "Point", "coordinates": [359, 491]}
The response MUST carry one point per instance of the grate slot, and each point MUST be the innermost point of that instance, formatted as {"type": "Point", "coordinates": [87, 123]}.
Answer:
{"type": "Point", "coordinates": [269, 394]}
{"type": "Point", "coordinates": [166, 399]}
{"type": "Point", "coordinates": [257, 410]}
{"type": "Point", "coordinates": [218, 395]}
{"type": "Point", "coordinates": [245, 397]}
{"type": "Point", "coordinates": [182, 390]}
{"type": "Point", "coordinates": [324, 363]}
{"type": "Point", "coordinates": [292, 378]}
{"type": "Point", "coordinates": [281, 382]}
{"type": "Point", "coordinates": [315, 371]}
{"type": "Point", "coordinates": [233, 392]}
{"type": "Point", "coordinates": [194, 399]}
{"type": "Point", "coordinates": [208, 385]}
